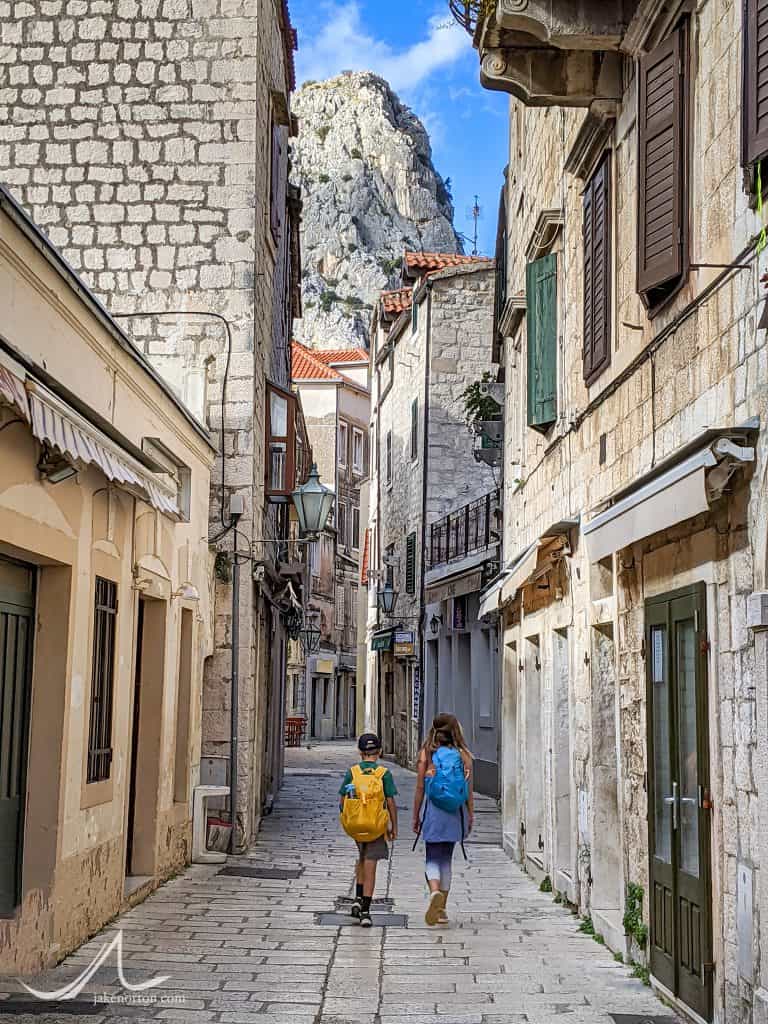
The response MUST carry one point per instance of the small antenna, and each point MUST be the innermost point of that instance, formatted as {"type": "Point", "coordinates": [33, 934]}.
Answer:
{"type": "Point", "coordinates": [475, 212]}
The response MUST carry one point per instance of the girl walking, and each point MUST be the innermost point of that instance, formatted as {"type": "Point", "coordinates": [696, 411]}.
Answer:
{"type": "Point", "coordinates": [446, 816]}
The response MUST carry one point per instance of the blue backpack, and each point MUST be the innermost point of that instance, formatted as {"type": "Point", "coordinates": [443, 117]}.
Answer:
{"type": "Point", "coordinates": [447, 788]}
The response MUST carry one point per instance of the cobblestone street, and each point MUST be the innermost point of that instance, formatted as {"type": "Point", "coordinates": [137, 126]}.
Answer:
{"type": "Point", "coordinates": [251, 951]}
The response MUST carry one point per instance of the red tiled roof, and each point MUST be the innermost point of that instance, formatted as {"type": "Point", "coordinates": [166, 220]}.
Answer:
{"type": "Point", "coordinates": [431, 261]}
{"type": "Point", "coordinates": [366, 556]}
{"type": "Point", "coordinates": [397, 301]}
{"type": "Point", "coordinates": [306, 366]}
{"type": "Point", "coordinates": [340, 355]}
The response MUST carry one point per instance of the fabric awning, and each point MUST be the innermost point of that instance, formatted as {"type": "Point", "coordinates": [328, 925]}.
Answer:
{"type": "Point", "coordinates": [667, 498]}
{"type": "Point", "coordinates": [489, 601]}
{"type": "Point", "coordinates": [12, 391]}
{"type": "Point", "coordinates": [520, 572]}
{"type": "Point", "coordinates": [56, 424]}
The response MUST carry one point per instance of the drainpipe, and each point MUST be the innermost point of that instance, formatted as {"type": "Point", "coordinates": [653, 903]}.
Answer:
{"type": "Point", "coordinates": [234, 514]}
{"type": "Point", "coordinates": [425, 473]}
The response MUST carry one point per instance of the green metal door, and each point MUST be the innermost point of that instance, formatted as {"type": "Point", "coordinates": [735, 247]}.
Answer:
{"type": "Point", "coordinates": [16, 632]}
{"type": "Point", "coordinates": [678, 797]}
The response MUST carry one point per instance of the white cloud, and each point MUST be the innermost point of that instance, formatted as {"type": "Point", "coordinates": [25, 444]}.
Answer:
{"type": "Point", "coordinates": [343, 44]}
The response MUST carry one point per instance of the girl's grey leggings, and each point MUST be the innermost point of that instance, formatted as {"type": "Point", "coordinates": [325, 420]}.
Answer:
{"type": "Point", "coordinates": [438, 868]}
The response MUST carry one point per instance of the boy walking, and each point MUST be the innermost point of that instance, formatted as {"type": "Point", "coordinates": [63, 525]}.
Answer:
{"type": "Point", "coordinates": [369, 816]}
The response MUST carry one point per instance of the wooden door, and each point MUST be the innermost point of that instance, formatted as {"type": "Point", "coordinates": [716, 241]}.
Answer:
{"type": "Point", "coordinates": [680, 900]}
{"type": "Point", "coordinates": [16, 635]}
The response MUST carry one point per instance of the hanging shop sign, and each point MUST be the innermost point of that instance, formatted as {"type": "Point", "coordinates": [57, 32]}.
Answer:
{"type": "Point", "coordinates": [382, 641]}
{"type": "Point", "coordinates": [455, 588]}
{"type": "Point", "coordinates": [405, 643]}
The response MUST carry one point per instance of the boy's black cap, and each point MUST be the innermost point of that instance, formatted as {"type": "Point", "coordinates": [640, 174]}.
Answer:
{"type": "Point", "coordinates": [368, 742]}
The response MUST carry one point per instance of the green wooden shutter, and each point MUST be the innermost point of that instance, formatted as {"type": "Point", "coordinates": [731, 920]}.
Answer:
{"type": "Point", "coordinates": [541, 322]}
{"type": "Point", "coordinates": [410, 564]}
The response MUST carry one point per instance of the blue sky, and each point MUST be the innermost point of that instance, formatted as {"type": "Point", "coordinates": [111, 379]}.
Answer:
{"type": "Point", "coordinates": [430, 63]}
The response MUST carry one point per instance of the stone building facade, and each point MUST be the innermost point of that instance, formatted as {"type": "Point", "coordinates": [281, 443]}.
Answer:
{"type": "Point", "coordinates": [430, 338]}
{"type": "Point", "coordinates": [635, 372]}
{"type": "Point", "coordinates": [106, 609]}
{"type": "Point", "coordinates": [150, 142]}
{"type": "Point", "coordinates": [333, 388]}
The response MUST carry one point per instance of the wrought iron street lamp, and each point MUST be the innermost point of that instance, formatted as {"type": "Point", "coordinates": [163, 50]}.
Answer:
{"type": "Point", "coordinates": [310, 637]}
{"type": "Point", "coordinates": [313, 502]}
{"type": "Point", "coordinates": [387, 598]}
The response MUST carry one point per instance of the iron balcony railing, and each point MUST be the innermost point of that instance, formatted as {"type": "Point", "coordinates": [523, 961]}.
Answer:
{"type": "Point", "coordinates": [467, 531]}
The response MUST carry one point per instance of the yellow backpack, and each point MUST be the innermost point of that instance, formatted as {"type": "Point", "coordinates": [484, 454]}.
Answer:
{"type": "Point", "coordinates": [364, 816]}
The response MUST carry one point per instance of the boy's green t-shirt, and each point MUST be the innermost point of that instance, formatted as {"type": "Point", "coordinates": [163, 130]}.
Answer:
{"type": "Point", "coordinates": [388, 782]}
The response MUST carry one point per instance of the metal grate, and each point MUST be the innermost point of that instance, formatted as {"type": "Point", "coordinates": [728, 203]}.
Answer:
{"type": "Point", "coordinates": [640, 1018]}
{"type": "Point", "coordinates": [102, 681]}
{"type": "Point", "coordinates": [50, 1008]}
{"type": "Point", "coordinates": [244, 871]}
{"type": "Point", "coordinates": [337, 920]}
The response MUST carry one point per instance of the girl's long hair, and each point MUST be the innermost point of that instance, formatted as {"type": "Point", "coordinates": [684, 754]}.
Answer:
{"type": "Point", "coordinates": [446, 731]}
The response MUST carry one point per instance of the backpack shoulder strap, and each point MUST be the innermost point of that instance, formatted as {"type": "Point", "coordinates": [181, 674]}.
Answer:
{"type": "Point", "coordinates": [380, 772]}
{"type": "Point", "coordinates": [357, 772]}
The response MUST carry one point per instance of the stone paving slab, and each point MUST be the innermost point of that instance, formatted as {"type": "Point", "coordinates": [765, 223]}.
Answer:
{"type": "Point", "coordinates": [249, 950]}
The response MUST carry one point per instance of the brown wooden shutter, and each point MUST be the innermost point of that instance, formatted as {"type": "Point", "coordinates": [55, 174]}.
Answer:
{"type": "Point", "coordinates": [597, 271]}
{"type": "Point", "coordinates": [755, 99]}
{"type": "Point", "coordinates": [410, 563]}
{"type": "Point", "coordinates": [661, 160]}
{"type": "Point", "coordinates": [275, 219]}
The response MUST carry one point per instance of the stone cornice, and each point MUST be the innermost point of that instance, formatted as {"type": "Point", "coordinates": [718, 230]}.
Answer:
{"type": "Point", "coordinates": [596, 130]}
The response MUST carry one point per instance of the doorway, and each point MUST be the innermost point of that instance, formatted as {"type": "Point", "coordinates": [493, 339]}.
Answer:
{"type": "Point", "coordinates": [315, 711]}
{"type": "Point", "coordinates": [388, 731]}
{"type": "Point", "coordinates": [17, 603]}
{"type": "Point", "coordinates": [146, 738]}
{"type": "Point", "coordinates": [678, 797]}
{"type": "Point", "coordinates": [352, 719]}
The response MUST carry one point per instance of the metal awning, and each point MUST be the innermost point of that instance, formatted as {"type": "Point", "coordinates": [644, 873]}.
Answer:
{"type": "Point", "coordinates": [659, 500]}
{"type": "Point", "coordinates": [56, 424]}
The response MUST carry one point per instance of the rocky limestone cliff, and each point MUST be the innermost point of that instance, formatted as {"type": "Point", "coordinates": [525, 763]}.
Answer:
{"type": "Point", "coordinates": [364, 165]}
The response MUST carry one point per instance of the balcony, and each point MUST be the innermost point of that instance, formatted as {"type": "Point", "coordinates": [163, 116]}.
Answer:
{"type": "Point", "coordinates": [550, 52]}
{"type": "Point", "coordinates": [471, 530]}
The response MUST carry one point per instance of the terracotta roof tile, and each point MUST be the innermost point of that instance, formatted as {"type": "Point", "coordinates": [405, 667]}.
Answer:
{"type": "Point", "coordinates": [396, 302]}
{"type": "Point", "coordinates": [340, 355]}
{"type": "Point", "coordinates": [306, 366]}
{"type": "Point", "coordinates": [431, 261]}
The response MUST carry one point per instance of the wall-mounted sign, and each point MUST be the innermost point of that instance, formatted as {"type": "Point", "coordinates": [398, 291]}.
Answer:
{"type": "Point", "coordinates": [459, 613]}
{"type": "Point", "coordinates": [455, 588]}
{"type": "Point", "coordinates": [405, 643]}
{"type": "Point", "coordinates": [324, 667]}
{"type": "Point", "coordinates": [416, 701]}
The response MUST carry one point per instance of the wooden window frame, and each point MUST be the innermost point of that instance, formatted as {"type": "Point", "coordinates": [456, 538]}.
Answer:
{"type": "Point", "coordinates": [102, 697]}
{"type": "Point", "coordinates": [342, 524]}
{"type": "Point", "coordinates": [410, 563]}
{"type": "Point", "coordinates": [414, 429]}
{"type": "Point", "coordinates": [655, 289]}
{"type": "Point", "coordinates": [358, 467]}
{"type": "Point", "coordinates": [288, 441]}
{"type": "Point", "coordinates": [342, 454]}
{"type": "Point", "coordinates": [600, 181]}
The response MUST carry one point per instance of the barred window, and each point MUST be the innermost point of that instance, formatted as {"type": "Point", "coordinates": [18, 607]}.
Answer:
{"type": "Point", "coordinates": [102, 681]}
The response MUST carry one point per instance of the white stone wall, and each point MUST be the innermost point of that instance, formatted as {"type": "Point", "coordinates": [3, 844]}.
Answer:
{"type": "Point", "coordinates": [707, 369]}
{"type": "Point", "coordinates": [138, 136]}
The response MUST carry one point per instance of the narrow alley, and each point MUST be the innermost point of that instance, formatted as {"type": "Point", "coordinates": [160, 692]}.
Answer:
{"type": "Point", "coordinates": [247, 950]}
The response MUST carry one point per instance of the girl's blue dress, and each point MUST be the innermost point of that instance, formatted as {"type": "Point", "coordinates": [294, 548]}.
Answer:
{"type": "Point", "coordinates": [439, 826]}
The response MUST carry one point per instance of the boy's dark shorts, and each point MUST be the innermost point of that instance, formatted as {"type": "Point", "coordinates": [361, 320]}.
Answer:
{"type": "Point", "coordinates": [377, 849]}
